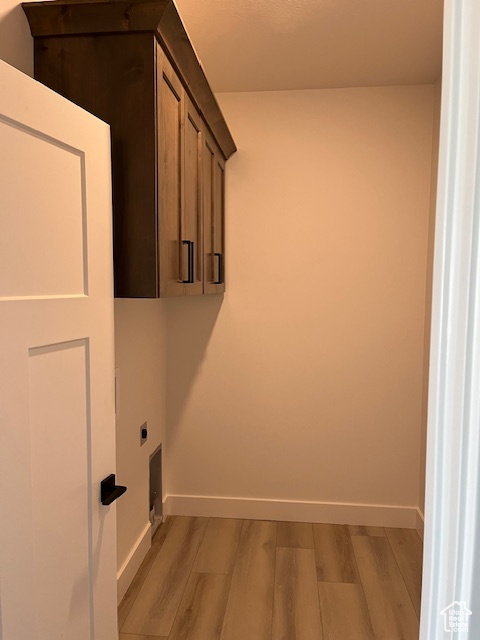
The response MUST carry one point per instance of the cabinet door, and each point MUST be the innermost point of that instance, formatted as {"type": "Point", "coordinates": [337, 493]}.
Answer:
{"type": "Point", "coordinates": [214, 217]}
{"type": "Point", "coordinates": [191, 220]}
{"type": "Point", "coordinates": [169, 163]}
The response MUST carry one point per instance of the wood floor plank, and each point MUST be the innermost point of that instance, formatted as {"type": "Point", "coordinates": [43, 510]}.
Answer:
{"type": "Point", "coordinates": [296, 612]}
{"type": "Point", "coordinates": [334, 554]}
{"type": "Point", "coordinates": [135, 636]}
{"type": "Point", "coordinates": [202, 609]}
{"type": "Point", "coordinates": [219, 546]}
{"type": "Point", "coordinates": [391, 611]}
{"type": "Point", "coordinates": [295, 534]}
{"type": "Point", "coordinates": [358, 530]}
{"type": "Point", "coordinates": [249, 607]}
{"type": "Point", "coordinates": [137, 582]}
{"type": "Point", "coordinates": [156, 605]}
{"type": "Point", "coordinates": [408, 551]}
{"type": "Point", "coordinates": [344, 612]}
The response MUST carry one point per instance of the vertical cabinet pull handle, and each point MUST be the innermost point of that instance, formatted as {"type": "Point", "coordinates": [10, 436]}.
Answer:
{"type": "Point", "coordinates": [220, 268]}
{"type": "Point", "coordinates": [191, 261]}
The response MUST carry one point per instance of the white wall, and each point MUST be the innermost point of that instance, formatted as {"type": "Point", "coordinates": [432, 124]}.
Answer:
{"type": "Point", "coordinates": [305, 382]}
{"type": "Point", "coordinates": [140, 353]}
{"type": "Point", "coordinates": [16, 43]}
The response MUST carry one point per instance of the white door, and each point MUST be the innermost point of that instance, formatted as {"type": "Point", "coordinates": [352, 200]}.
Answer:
{"type": "Point", "coordinates": [57, 542]}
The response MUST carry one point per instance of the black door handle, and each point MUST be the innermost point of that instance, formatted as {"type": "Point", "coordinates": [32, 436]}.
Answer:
{"type": "Point", "coordinates": [220, 268]}
{"type": "Point", "coordinates": [109, 491]}
{"type": "Point", "coordinates": [191, 261]}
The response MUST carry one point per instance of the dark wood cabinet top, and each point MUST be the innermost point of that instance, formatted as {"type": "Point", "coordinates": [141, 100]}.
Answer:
{"type": "Point", "coordinates": [81, 17]}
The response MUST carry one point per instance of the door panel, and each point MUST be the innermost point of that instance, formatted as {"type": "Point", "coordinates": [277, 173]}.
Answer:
{"type": "Point", "coordinates": [59, 228]}
{"type": "Point", "coordinates": [208, 214]}
{"type": "Point", "coordinates": [191, 196]}
{"type": "Point", "coordinates": [58, 397]}
{"type": "Point", "coordinates": [214, 217]}
{"type": "Point", "coordinates": [219, 223]}
{"type": "Point", "coordinates": [169, 114]}
{"type": "Point", "coordinates": [57, 441]}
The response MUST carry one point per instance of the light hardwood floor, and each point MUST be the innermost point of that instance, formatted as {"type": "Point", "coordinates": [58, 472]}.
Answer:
{"type": "Point", "coordinates": [224, 579]}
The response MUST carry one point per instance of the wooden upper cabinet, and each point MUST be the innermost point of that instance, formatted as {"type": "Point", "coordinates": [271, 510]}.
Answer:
{"type": "Point", "coordinates": [132, 65]}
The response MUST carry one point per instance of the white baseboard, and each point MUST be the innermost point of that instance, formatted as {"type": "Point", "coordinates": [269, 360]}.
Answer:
{"type": "Point", "coordinates": [419, 524]}
{"type": "Point", "coordinates": [129, 568]}
{"type": "Point", "coordinates": [372, 515]}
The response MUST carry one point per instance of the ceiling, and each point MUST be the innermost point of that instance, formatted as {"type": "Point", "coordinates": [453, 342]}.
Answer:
{"type": "Point", "coordinates": [267, 45]}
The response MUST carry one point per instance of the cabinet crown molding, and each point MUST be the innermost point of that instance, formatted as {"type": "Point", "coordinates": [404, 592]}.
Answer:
{"type": "Point", "coordinates": [160, 17]}
{"type": "Point", "coordinates": [76, 17]}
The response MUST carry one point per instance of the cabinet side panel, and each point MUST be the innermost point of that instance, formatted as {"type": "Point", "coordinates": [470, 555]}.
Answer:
{"type": "Point", "coordinates": [113, 77]}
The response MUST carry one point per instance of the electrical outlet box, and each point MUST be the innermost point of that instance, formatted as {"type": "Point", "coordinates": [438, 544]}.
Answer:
{"type": "Point", "coordinates": [143, 433]}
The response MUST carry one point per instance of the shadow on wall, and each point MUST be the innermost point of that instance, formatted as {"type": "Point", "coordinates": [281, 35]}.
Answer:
{"type": "Point", "coordinates": [16, 43]}
{"type": "Point", "coordinates": [194, 320]}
